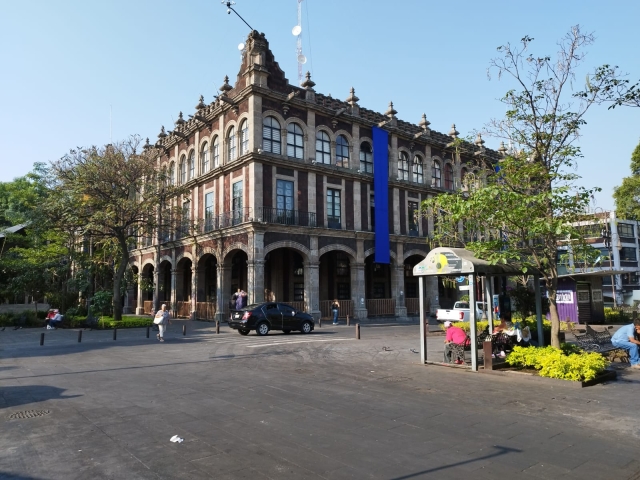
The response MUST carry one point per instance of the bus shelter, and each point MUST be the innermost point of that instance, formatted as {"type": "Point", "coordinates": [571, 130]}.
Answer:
{"type": "Point", "coordinates": [458, 262]}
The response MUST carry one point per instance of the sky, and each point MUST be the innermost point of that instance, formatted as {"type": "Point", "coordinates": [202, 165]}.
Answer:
{"type": "Point", "coordinates": [79, 73]}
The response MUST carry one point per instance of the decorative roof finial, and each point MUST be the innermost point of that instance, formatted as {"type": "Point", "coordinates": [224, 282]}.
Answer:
{"type": "Point", "coordinates": [146, 145]}
{"type": "Point", "coordinates": [479, 141]}
{"type": "Point", "coordinates": [424, 123]}
{"type": "Point", "coordinates": [162, 133]}
{"type": "Point", "coordinates": [225, 86]}
{"type": "Point", "coordinates": [453, 132]}
{"type": "Point", "coordinates": [308, 83]}
{"type": "Point", "coordinates": [352, 97]}
{"type": "Point", "coordinates": [391, 112]}
{"type": "Point", "coordinates": [180, 120]}
{"type": "Point", "coordinates": [201, 103]}
{"type": "Point", "coordinates": [502, 150]}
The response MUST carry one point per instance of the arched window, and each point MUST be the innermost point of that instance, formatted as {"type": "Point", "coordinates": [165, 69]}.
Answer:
{"type": "Point", "coordinates": [244, 137]}
{"type": "Point", "coordinates": [192, 165]}
{"type": "Point", "coordinates": [172, 173]}
{"type": "Point", "coordinates": [323, 148]}
{"type": "Point", "coordinates": [204, 158]}
{"type": "Point", "coordinates": [183, 169]}
{"type": "Point", "coordinates": [403, 166]}
{"type": "Point", "coordinates": [448, 176]}
{"type": "Point", "coordinates": [417, 173]}
{"type": "Point", "coordinates": [295, 141]}
{"type": "Point", "coordinates": [231, 145]}
{"type": "Point", "coordinates": [342, 151]}
{"type": "Point", "coordinates": [366, 158]}
{"type": "Point", "coordinates": [271, 135]}
{"type": "Point", "coordinates": [216, 152]}
{"type": "Point", "coordinates": [436, 175]}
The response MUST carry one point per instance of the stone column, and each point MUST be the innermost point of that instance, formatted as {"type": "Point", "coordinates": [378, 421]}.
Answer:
{"type": "Point", "coordinates": [174, 293]}
{"type": "Point", "coordinates": [223, 278]}
{"type": "Point", "coordinates": [312, 288]}
{"type": "Point", "coordinates": [255, 281]}
{"type": "Point", "coordinates": [156, 286]}
{"type": "Point", "coordinates": [139, 301]}
{"type": "Point", "coordinates": [358, 291]}
{"type": "Point", "coordinates": [194, 292]}
{"type": "Point", "coordinates": [397, 289]}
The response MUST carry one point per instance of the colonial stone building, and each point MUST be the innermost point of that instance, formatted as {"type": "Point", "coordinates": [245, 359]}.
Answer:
{"type": "Point", "coordinates": [282, 201]}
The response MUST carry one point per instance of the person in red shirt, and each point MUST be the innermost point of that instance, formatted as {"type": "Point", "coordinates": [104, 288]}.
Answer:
{"type": "Point", "coordinates": [454, 335]}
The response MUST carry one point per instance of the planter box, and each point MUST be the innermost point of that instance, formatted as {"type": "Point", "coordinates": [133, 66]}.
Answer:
{"type": "Point", "coordinates": [606, 376]}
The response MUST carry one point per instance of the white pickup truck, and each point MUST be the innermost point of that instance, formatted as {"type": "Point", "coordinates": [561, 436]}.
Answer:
{"type": "Point", "coordinates": [460, 312]}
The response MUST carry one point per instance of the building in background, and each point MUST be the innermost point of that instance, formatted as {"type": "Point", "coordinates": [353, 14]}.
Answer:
{"type": "Point", "coordinates": [282, 201]}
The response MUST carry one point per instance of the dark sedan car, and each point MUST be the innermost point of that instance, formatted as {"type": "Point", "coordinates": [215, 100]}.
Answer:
{"type": "Point", "coordinates": [263, 317]}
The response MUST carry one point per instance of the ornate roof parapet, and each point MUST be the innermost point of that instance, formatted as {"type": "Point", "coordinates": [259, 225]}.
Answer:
{"type": "Point", "coordinates": [225, 86]}
{"type": "Point", "coordinates": [479, 142]}
{"type": "Point", "coordinates": [201, 103]}
{"type": "Point", "coordinates": [180, 121]}
{"type": "Point", "coordinates": [352, 100]}
{"type": "Point", "coordinates": [391, 113]}
{"type": "Point", "coordinates": [502, 150]}
{"type": "Point", "coordinates": [162, 135]}
{"type": "Point", "coordinates": [308, 84]}
{"type": "Point", "coordinates": [424, 125]}
{"type": "Point", "coordinates": [453, 132]}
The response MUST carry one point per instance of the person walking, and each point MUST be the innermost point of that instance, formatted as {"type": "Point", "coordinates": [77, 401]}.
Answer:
{"type": "Point", "coordinates": [335, 308]}
{"type": "Point", "coordinates": [162, 319]}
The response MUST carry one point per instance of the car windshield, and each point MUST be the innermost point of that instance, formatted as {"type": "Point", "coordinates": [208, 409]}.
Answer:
{"type": "Point", "coordinates": [462, 305]}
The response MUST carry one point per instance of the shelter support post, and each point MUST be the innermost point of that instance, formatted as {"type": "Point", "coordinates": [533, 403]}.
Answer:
{"type": "Point", "coordinates": [488, 294]}
{"type": "Point", "coordinates": [473, 333]}
{"type": "Point", "coordinates": [536, 282]}
{"type": "Point", "coordinates": [423, 323]}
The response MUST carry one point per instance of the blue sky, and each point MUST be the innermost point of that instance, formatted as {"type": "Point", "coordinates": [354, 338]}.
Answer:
{"type": "Point", "coordinates": [67, 63]}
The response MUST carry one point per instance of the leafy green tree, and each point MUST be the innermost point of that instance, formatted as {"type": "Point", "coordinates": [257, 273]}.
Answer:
{"type": "Point", "coordinates": [113, 195]}
{"type": "Point", "coordinates": [522, 212]}
{"type": "Point", "coordinates": [627, 195]}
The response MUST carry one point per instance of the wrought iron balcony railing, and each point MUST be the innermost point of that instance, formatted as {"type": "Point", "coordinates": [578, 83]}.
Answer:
{"type": "Point", "coordinates": [286, 217]}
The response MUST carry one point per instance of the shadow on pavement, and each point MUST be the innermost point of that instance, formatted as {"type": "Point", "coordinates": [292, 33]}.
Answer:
{"type": "Point", "coordinates": [15, 476]}
{"type": "Point", "coordinates": [14, 396]}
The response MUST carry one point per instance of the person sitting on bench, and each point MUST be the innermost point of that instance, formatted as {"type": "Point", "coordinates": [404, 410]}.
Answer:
{"type": "Point", "coordinates": [627, 337]}
{"type": "Point", "coordinates": [454, 335]}
{"type": "Point", "coordinates": [56, 320]}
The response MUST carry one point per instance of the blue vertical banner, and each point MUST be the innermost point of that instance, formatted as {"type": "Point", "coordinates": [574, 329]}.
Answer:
{"type": "Point", "coordinates": [381, 194]}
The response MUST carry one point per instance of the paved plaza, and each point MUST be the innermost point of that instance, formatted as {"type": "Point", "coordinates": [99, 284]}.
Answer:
{"type": "Point", "coordinates": [318, 406]}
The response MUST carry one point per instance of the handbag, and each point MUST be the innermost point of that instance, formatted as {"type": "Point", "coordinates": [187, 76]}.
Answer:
{"type": "Point", "coordinates": [158, 320]}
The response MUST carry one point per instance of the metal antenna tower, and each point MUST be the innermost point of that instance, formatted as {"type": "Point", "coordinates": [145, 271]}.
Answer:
{"type": "Point", "coordinates": [297, 32]}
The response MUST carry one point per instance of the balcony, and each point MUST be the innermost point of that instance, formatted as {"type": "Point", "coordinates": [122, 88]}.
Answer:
{"type": "Point", "coordinates": [286, 217]}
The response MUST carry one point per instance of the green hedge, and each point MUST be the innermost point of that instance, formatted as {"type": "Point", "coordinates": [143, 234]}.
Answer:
{"type": "Point", "coordinates": [568, 363]}
{"type": "Point", "coordinates": [612, 315]}
{"type": "Point", "coordinates": [29, 319]}
{"type": "Point", "coordinates": [25, 319]}
{"type": "Point", "coordinates": [109, 322]}
{"type": "Point", "coordinates": [530, 322]}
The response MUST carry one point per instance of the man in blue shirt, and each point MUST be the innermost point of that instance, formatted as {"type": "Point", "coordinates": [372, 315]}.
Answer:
{"type": "Point", "coordinates": [626, 337]}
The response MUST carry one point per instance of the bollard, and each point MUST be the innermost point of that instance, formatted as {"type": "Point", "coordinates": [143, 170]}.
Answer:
{"type": "Point", "coordinates": [115, 333]}
{"type": "Point", "coordinates": [217, 326]}
{"type": "Point", "coordinates": [79, 336]}
{"type": "Point", "coordinates": [348, 321]}
{"type": "Point", "coordinates": [41, 339]}
{"type": "Point", "coordinates": [357, 331]}
{"type": "Point", "coordinates": [148, 331]}
{"type": "Point", "coordinates": [184, 330]}
{"type": "Point", "coordinates": [320, 322]}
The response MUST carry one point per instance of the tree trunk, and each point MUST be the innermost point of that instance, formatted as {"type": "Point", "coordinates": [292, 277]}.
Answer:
{"type": "Point", "coordinates": [117, 280]}
{"type": "Point", "coordinates": [555, 323]}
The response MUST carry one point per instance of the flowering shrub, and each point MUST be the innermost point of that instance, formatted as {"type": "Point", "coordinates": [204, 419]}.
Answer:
{"type": "Point", "coordinates": [568, 363]}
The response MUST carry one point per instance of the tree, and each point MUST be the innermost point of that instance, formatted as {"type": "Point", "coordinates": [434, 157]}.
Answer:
{"type": "Point", "coordinates": [627, 195]}
{"type": "Point", "coordinates": [111, 195]}
{"type": "Point", "coordinates": [530, 205]}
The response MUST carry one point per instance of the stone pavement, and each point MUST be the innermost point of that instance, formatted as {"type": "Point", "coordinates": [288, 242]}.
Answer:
{"type": "Point", "coordinates": [291, 406]}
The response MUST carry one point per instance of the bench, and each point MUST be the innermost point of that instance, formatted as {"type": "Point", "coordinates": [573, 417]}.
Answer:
{"type": "Point", "coordinates": [599, 342]}
{"type": "Point", "coordinates": [458, 349]}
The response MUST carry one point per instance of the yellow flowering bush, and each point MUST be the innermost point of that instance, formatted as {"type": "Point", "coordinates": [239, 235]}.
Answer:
{"type": "Point", "coordinates": [566, 363]}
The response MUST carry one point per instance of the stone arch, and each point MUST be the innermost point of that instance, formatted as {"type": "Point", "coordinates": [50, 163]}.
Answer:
{"type": "Point", "coordinates": [208, 251]}
{"type": "Point", "coordinates": [184, 255]}
{"type": "Point", "coordinates": [337, 246]}
{"type": "Point", "coordinates": [347, 135]}
{"type": "Point", "coordinates": [372, 250]}
{"type": "Point", "coordinates": [236, 246]}
{"type": "Point", "coordinates": [288, 244]}
{"type": "Point", "coordinates": [148, 262]}
{"type": "Point", "coordinates": [327, 130]}
{"type": "Point", "coordinates": [166, 258]}
{"type": "Point", "coordinates": [413, 252]}
{"type": "Point", "coordinates": [278, 116]}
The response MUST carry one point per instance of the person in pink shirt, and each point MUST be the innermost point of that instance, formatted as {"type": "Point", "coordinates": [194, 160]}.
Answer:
{"type": "Point", "coordinates": [454, 335]}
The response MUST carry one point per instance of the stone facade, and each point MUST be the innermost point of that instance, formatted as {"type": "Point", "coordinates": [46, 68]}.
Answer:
{"type": "Point", "coordinates": [280, 204]}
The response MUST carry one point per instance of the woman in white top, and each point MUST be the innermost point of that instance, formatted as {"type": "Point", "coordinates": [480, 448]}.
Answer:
{"type": "Point", "coordinates": [163, 314]}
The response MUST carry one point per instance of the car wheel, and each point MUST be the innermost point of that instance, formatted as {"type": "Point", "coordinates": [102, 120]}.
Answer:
{"type": "Point", "coordinates": [286, 331]}
{"type": "Point", "coordinates": [262, 329]}
{"type": "Point", "coordinates": [243, 332]}
{"type": "Point", "coordinates": [306, 327]}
